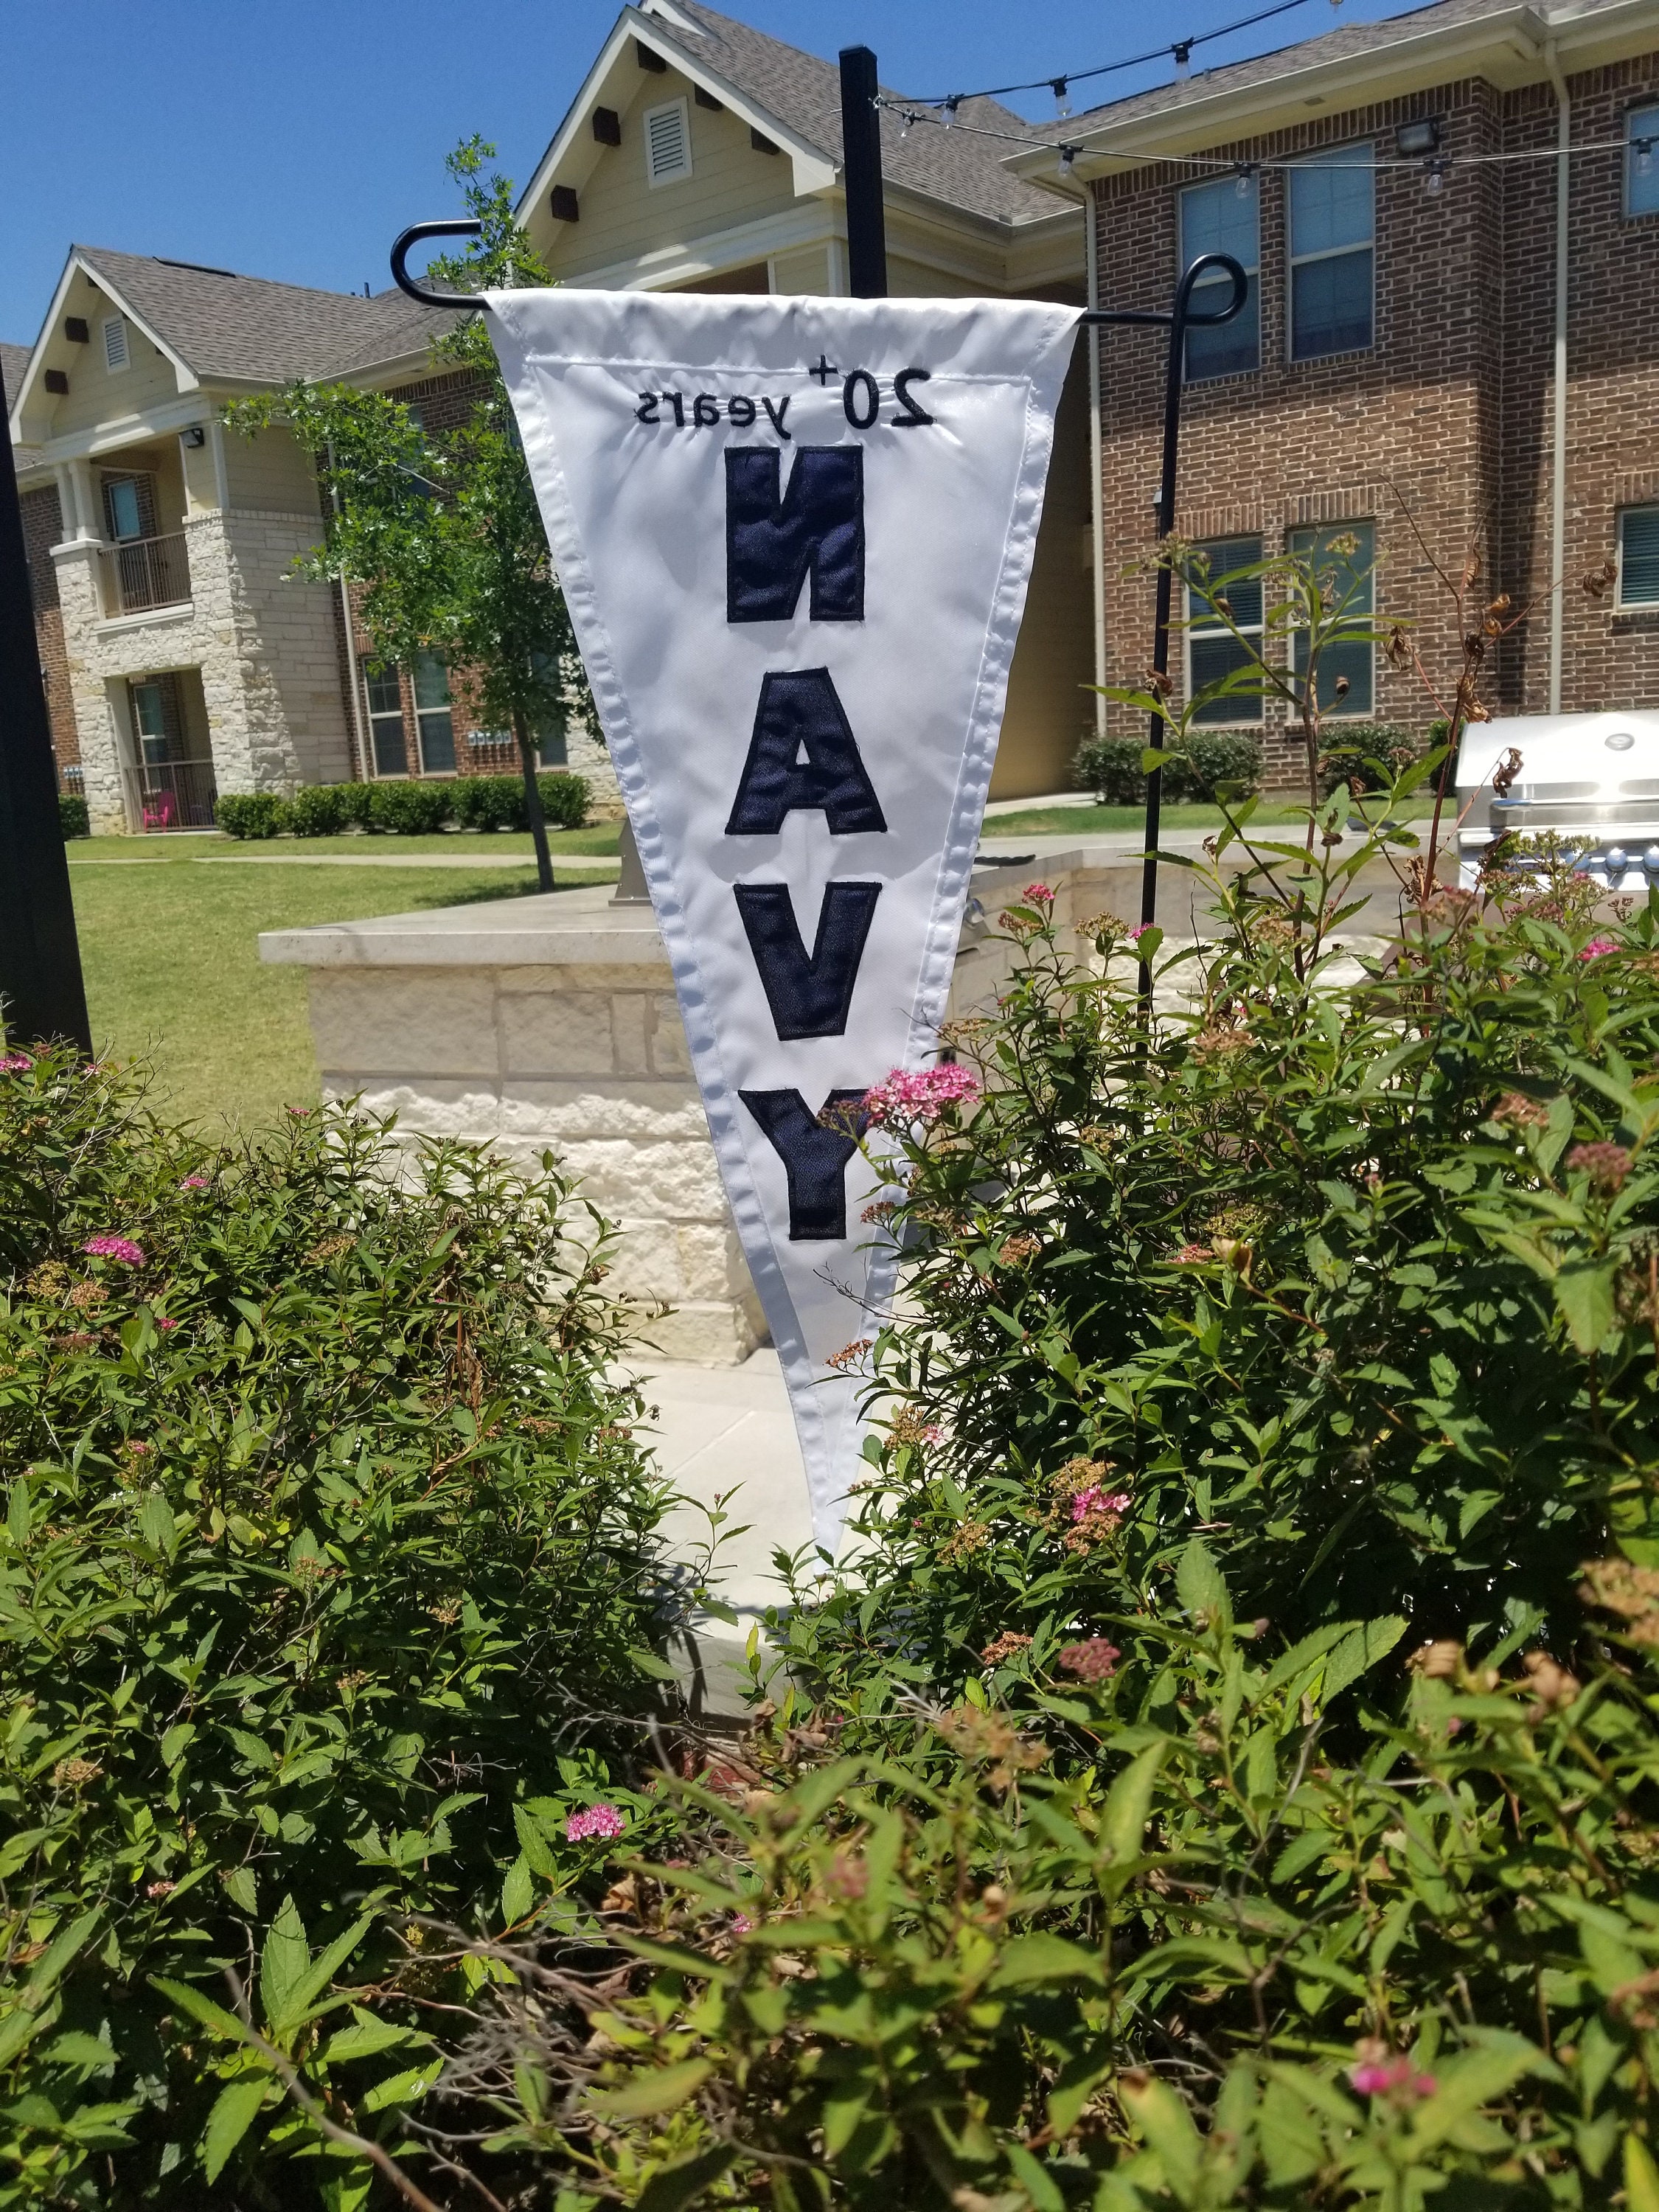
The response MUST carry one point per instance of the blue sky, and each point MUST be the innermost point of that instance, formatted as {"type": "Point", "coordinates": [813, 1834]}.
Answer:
{"type": "Point", "coordinates": [296, 142]}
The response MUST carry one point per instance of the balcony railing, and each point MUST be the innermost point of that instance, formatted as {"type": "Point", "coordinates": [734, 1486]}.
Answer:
{"type": "Point", "coordinates": [177, 794]}
{"type": "Point", "coordinates": [142, 573]}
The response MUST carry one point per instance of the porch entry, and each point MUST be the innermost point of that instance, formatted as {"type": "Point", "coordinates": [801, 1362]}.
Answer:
{"type": "Point", "coordinates": [174, 758]}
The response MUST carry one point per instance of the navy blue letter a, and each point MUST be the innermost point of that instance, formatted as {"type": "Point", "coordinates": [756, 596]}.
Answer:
{"type": "Point", "coordinates": [771, 543]}
{"type": "Point", "coordinates": [803, 755]}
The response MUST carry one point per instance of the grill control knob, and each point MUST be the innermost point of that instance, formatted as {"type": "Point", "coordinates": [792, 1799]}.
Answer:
{"type": "Point", "coordinates": [1618, 861]}
{"type": "Point", "coordinates": [1651, 859]}
{"type": "Point", "coordinates": [1620, 742]}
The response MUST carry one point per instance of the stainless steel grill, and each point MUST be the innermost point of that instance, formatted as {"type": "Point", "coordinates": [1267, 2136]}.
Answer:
{"type": "Point", "coordinates": [1593, 780]}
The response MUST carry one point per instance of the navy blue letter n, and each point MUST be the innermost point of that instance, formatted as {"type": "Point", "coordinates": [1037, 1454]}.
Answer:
{"type": "Point", "coordinates": [773, 543]}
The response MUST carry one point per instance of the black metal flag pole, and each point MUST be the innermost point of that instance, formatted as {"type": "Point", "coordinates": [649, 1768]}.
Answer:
{"type": "Point", "coordinates": [860, 143]}
{"type": "Point", "coordinates": [43, 999]}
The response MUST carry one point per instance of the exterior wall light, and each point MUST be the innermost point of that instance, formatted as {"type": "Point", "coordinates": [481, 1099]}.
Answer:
{"type": "Point", "coordinates": [1417, 138]}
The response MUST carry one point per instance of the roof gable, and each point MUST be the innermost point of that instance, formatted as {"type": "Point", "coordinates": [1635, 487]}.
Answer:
{"type": "Point", "coordinates": [794, 98]}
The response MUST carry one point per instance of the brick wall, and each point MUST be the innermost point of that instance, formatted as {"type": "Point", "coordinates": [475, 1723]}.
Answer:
{"type": "Point", "coordinates": [43, 525]}
{"type": "Point", "coordinates": [1439, 434]}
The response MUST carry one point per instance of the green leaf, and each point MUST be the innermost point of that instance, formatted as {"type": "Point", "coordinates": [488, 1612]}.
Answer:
{"type": "Point", "coordinates": [1360, 1650]}
{"type": "Point", "coordinates": [232, 2116]}
{"type": "Point", "coordinates": [1480, 2074]}
{"type": "Point", "coordinates": [404, 2088]}
{"type": "Point", "coordinates": [1641, 2176]}
{"type": "Point", "coordinates": [242, 1888]}
{"type": "Point", "coordinates": [677, 2186]}
{"type": "Point", "coordinates": [1128, 1803]}
{"type": "Point", "coordinates": [1584, 1294]}
{"type": "Point", "coordinates": [1166, 2124]}
{"type": "Point", "coordinates": [200, 2008]}
{"type": "Point", "coordinates": [282, 1963]}
{"type": "Point", "coordinates": [1043, 1958]}
{"type": "Point", "coordinates": [1197, 1580]}
{"type": "Point", "coordinates": [662, 2090]}
{"type": "Point", "coordinates": [518, 1890]}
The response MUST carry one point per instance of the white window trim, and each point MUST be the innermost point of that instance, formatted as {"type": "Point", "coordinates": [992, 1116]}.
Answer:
{"type": "Point", "coordinates": [669, 176]}
{"type": "Point", "coordinates": [1621, 605]}
{"type": "Point", "coordinates": [1256, 629]}
{"type": "Point", "coordinates": [1633, 117]}
{"type": "Point", "coordinates": [1293, 260]}
{"type": "Point", "coordinates": [1251, 268]}
{"type": "Point", "coordinates": [1315, 532]}
{"type": "Point", "coordinates": [111, 324]}
{"type": "Point", "coordinates": [372, 715]}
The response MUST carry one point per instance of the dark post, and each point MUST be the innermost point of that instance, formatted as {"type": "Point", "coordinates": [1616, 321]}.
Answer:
{"type": "Point", "coordinates": [860, 140]}
{"type": "Point", "coordinates": [42, 997]}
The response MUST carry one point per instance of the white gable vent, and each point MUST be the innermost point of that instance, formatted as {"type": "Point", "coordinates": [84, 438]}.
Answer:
{"type": "Point", "coordinates": [667, 142]}
{"type": "Point", "coordinates": [115, 343]}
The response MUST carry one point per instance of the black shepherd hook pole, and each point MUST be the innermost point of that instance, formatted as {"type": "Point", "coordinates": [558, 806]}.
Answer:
{"type": "Point", "coordinates": [867, 271]}
{"type": "Point", "coordinates": [1178, 321]}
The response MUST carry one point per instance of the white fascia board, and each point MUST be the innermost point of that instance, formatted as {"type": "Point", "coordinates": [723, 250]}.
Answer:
{"type": "Point", "coordinates": [812, 223]}
{"type": "Point", "coordinates": [1504, 47]}
{"type": "Point", "coordinates": [814, 172]}
{"type": "Point", "coordinates": [187, 379]}
{"type": "Point", "coordinates": [112, 437]}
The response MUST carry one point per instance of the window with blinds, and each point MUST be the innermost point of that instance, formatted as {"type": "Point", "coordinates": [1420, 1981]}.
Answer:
{"type": "Point", "coordinates": [667, 142]}
{"type": "Point", "coordinates": [1223, 631]}
{"type": "Point", "coordinates": [1639, 557]}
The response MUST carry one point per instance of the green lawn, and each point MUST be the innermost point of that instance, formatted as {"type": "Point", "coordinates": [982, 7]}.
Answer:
{"type": "Point", "coordinates": [1070, 821]}
{"type": "Point", "coordinates": [171, 952]}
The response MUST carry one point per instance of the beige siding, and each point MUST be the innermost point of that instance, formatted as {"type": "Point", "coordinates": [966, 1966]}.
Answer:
{"type": "Point", "coordinates": [802, 273]}
{"type": "Point", "coordinates": [1047, 705]}
{"type": "Point", "coordinates": [97, 394]}
{"type": "Point", "coordinates": [623, 216]}
{"type": "Point", "coordinates": [270, 474]}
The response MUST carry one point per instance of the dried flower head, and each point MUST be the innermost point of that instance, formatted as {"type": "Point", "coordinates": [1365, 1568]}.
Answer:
{"type": "Point", "coordinates": [1598, 582]}
{"type": "Point", "coordinates": [1093, 1660]}
{"type": "Point", "coordinates": [1441, 1661]}
{"type": "Point", "coordinates": [1515, 1110]}
{"type": "Point", "coordinates": [75, 1773]}
{"type": "Point", "coordinates": [850, 1355]}
{"type": "Point", "coordinates": [968, 1537]}
{"type": "Point", "coordinates": [1006, 1646]}
{"type": "Point", "coordinates": [1553, 1685]}
{"type": "Point", "coordinates": [909, 1426]}
{"type": "Point", "coordinates": [1017, 1250]}
{"type": "Point", "coordinates": [1620, 1587]}
{"type": "Point", "coordinates": [1607, 1165]}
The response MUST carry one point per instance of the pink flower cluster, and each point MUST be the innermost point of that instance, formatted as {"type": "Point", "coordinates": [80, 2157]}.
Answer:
{"type": "Point", "coordinates": [911, 1094]}
{"type": "Point", "coordinates": [115, 1247]}
{"type": "Point", "coordinates": [195, 1182]}
{"type": "Point", "coordinates": [1392, 2075]}
{"type": "Point", "coordinates": [1086, 1502]}
{"type": "Point", "coordinates": [1038, 895]}
{"type": "Point", "coordinates": [1136, 934]}
{"type": "Point", "coordinates": [1597, 947]}
{"type": "Point", "coordinates": [602, 1820]}
{"type": "Point", "coordinates": [14, 1063]}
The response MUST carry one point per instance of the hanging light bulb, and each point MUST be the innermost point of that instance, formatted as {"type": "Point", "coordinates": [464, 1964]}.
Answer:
{"type": "Point", "coordinates": [907, 117]}
{"type": "Point", "coordinates": [1436, 167]}
{"type": "Point", "coordinates": [1182, 52]}
{"type": "Point", "coordinates": [1062, 97]}
{"type": "Point", "coordinates": [1242, 183]}
{"type": "Point", "coordinates": [1643, 156]}
{"type": "Point", "coordinates": [950, 108]}
{"type": "Point", "coordinates": [1067, 160]}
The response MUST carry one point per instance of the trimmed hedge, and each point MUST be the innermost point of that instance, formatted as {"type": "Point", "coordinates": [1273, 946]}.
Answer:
{"type": "Point", "coordinates": [416, 808]}
{"type": "Point", "coordinates": [1370, 754]}
{"type": "Point", "coordinates": [72, 816]}
{"type": "Point", "coordinates": [1111, 767]}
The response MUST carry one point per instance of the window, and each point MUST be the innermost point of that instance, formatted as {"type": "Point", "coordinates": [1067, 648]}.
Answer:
{"type": "Point", "coordinates": [433, 719]}
{"type": "Point", "coordinates": [386, 719]}
{"type": "Point", "coordinates": [1333, 255]}
{"type": "Point", "coordinates": [1223, 217]}
{"type": "Point", "coordinates": [667, 144]}
{"type": "Point", "coordinates": [115, 343]}
{"type": "Point", "coordinates": [1346, 555]}
{"type": "Point", "coordinates": [1642, 161]}
{"type": "Point", "coordinates": [1213, 652]}
{"type": "Point", "coordinates": [1639, 557]}
{"type": "Point", "coordinates": [550, 730]}
{"type": "Point", "coordinates": [127, 499]}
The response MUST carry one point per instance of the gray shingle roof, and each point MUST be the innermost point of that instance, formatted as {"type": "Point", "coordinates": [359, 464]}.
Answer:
{"type": "Point", "coordinates": [229, 325]}
{"type": "Point", "coordinates": [1351, 41]}
{"type": "Point", "coordinates": [805, 93]}
{"type": "Point", "coordinates": [14, 360]}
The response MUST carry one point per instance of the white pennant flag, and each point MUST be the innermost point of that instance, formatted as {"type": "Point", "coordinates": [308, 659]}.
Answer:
{"type": "Point", "coordinates": [794, 536]}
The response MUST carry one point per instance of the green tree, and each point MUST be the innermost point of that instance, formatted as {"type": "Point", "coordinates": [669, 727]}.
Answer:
{"type": "Point", "coordinates": [439, 529]}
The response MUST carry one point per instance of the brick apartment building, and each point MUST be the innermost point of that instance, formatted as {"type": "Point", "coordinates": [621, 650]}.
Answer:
{"type": "Point", "coordinates": [1395, 375]}
{"type": "Point", "coordinates": [1400, 375]}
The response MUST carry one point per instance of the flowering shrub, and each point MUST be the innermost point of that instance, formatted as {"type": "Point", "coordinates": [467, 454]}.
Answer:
{"type": "Point", "coordinates": [324, 1538]}
{"type": "Point", "coordinates": [916, 1097]}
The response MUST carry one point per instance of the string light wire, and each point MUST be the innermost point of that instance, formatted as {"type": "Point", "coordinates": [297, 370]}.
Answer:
{"type": "Point", "coordinates": [1056, 84]}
